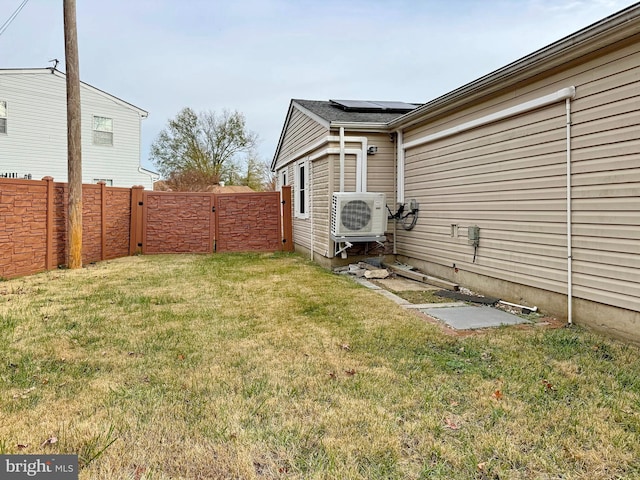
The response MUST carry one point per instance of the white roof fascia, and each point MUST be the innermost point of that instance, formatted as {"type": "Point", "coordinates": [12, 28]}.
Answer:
{"type": "Point", "coordinates": [58, 73]}
{"type": "Point", "coordinates": [539, 61]}
{"type": "Point", "coordinates": [284, 129]}
{"type": "Point", "coordinates": [304, 111]}
{"type": "Point", "coordinates": [373, 127]}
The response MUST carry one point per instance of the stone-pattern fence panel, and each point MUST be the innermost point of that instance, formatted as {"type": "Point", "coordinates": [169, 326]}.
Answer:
{"type": "Point", "coordinates": [118, 222]}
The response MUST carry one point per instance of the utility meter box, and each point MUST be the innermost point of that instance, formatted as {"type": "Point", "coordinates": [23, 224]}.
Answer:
{"type": "Point", "coordinates": [473, 234]}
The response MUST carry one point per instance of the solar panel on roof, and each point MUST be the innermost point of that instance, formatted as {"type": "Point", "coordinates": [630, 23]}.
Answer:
{"type": "Point", "coordinates": [396, 105]}
{"type": "Point", "coordinates": [355, 104]}
{"type": "Point", "coordinates": [370, 106]}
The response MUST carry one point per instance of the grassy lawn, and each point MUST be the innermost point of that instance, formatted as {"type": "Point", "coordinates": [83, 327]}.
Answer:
{"type": "Point", "coordinates": [266, 366]}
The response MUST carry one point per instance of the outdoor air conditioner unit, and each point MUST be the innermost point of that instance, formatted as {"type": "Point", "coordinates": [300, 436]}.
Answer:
{"type": "Point", "coordinates": [356, 214]}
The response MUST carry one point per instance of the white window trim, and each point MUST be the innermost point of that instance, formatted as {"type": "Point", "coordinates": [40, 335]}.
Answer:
{"type": "Point", "coordinates": [93, 131]}
{"type": "Point", "coordinates": [108, 181]}
{"type": "Point", "coordinates": [5, 117]}
{"type": "Point", "coordinates": [296, 183]}
{"type": "Point", "coordinates": [282, 178]}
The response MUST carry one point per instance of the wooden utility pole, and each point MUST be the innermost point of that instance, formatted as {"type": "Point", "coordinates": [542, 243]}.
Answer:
{"type": "Point", "coordinates": [74, 146]}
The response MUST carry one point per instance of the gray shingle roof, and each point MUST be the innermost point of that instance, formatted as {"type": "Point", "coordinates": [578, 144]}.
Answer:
{"type": "Point", "coordinates": [333, 113]}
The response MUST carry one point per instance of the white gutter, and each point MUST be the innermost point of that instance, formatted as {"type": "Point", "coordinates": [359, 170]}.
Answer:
{"type": "Point", "coordinates": [152, 175]}
{"type": "Point", "coordinates": [540, 102]}
{"type": "Point", "coordinates": [342, 159]}
{"type": "Point", "coordinates": [569, 220]}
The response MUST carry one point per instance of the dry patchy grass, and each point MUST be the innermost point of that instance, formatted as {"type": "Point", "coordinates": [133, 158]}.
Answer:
{"type": "Point", "coordinates": [265, 366]}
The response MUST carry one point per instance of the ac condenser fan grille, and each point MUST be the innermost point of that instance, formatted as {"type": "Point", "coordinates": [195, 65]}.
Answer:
{"type": "Point", "coordinates": [355, 215]}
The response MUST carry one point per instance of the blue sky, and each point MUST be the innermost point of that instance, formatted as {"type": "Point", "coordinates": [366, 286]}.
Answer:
{"type": "Point", "coordinates": [255, 55]}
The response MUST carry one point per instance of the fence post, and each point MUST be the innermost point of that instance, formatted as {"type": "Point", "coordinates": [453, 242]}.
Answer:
{"type": "Point", "coordinates": [287, 223]}
{"type": "Point", "coordinates": [135, 235]}
{"type": "Point", "coordinates": [48, 262]}
{"type": "Point", "coordinates": [103, 220]}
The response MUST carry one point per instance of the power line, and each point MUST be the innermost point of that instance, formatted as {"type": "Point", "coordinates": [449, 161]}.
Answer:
{"type": "Point", "coordinates": [13, 16]}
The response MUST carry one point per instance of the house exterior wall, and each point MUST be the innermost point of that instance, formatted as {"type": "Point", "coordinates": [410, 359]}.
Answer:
{"type": "Point", "coordinates": [381, 167]}
{"type": "Point", "coordinates": [301, 132]}
{"type": "Point", "coordinates": [509, 178]}
{"type": "Point", "coordinates": [36, 138]}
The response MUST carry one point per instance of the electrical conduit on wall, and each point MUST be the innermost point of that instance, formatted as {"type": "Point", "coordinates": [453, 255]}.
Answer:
{"type": "Point", "coordinates": [565, 94]}
{"type": "Point", "coordinates": [569, 220]}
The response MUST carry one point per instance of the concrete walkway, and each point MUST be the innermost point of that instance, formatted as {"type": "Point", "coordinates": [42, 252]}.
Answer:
{"type": "Point", "coordinates": [457, 315]}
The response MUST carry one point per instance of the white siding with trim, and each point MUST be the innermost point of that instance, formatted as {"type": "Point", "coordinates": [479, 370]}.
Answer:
{"type": "Point", "coordinates": [36, 138]}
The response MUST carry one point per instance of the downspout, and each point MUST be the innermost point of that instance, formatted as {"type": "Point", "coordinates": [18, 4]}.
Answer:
{"type": "Point", "coordinates": [342, 159]}
{"type": "Point", "coordinates": [149, 174]}
{"type": "Point", "coordinates": [363, 166]}
{"type": "Point", "coordinates": [395, 184]}
{"type": "Point", "coordinates": [569, 222]}
{"type": "Point", "coordinates": [310, 188]}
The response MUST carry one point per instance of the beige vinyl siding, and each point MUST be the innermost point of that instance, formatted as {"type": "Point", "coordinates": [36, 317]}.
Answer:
{"type": "Point", "coordinates": [381, 167]}
{"type": "Point", "coordinates": [350, 162]}
{"type": "Point", "coordinates": [509, 179]}
{"type": "Point", "coordinates": [506, 178]}
{"type": "Point", "coordinates": [301, 131]}
{"type": "Point", "coordinates": [606, 185]}
{"type": "Point", "coordinates": [320, 206]}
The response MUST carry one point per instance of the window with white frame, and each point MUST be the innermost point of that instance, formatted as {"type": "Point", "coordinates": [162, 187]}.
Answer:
{"type": "Point", "coordinates": [3, 116]}
{"type": "Point", "coordinates": [302, 189]}
{"type": "Point", "coordinates": [108, 181]}
{"type": "Point", "coordinates": [283, 177]}
{"type": "Point", "coordinates": [102, 131]}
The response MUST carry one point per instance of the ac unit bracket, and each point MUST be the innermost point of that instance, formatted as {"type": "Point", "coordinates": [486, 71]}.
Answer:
{"type": "Point", "coordinates": [378, 238]}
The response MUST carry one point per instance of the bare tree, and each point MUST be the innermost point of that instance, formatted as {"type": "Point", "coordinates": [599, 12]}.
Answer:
{"type": "Point", "coordinates": [201, 149]}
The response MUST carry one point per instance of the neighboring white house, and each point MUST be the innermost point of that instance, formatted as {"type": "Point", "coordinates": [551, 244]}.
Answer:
{"type": "Point", "coordinates": [33, 131]}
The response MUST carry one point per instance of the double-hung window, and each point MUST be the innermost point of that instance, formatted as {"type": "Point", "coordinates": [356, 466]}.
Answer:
{"type": "Point", "coordinates": [3, 116]}
{"type": "Point", "coordinates": [103, 131]}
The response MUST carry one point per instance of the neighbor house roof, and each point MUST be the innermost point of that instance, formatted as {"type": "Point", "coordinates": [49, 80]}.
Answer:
{"type": "Point", "coordinates": [58, 73]}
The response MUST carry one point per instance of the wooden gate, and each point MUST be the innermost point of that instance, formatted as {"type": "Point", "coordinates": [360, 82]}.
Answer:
{"type": "Point", "coordinates": [198, 222]}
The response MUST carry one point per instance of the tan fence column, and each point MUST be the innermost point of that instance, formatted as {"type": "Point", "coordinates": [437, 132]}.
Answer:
{"type": "Point", "coordinates": [103, 220]}
{"type": "Point", "coordinates": [49, 263]}
{"type": "Point", "coordinates": [135, 237]}
{"type": "Point", "coordinates": [287, 223]}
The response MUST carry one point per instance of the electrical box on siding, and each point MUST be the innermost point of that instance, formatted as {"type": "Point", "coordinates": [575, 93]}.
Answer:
{"type": "Point", "coordinates": [473, 234]}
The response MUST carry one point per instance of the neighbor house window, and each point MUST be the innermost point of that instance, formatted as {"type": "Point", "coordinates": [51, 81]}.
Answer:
{"type": "Point", "coordinates": [3, 116]}
{"type": "Point", "coordinates": [302, 189]}
{"type": "Point", "coordinates": [102, 131]}
{"type": "Point", "coordinates": [108, 182]}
